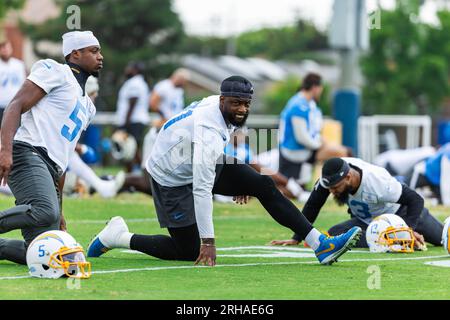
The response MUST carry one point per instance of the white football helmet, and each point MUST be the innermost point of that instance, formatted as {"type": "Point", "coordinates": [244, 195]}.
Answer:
{"type": "Point", "coordinates": [389, 233]}
{"type": "Point", "coordinates": [446, 235]}
{"type": "Point", "coordinates": [54, 254]}
{"type": "Point", "coordinates": [123, 145]}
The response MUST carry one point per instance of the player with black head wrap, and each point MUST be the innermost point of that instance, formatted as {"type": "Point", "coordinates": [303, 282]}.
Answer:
{"type": "Point", "coordinates": [369, 191]}
{"type": "Point", "coordinates": [187, 166]}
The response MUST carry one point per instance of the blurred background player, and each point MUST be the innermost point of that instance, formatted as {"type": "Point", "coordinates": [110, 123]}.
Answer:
{"type": "Point", "coordinates": [166, 99]}
{"type": "Point", "coordinates": [433, 172]}
{"type": "Point", "coordinates": [301, 144]}
{"type": "Point", "coordinates": [12, 73]}
{"type": "Point", "coordinates": [368, 191]}
{"type": "Point", "coordinates": [132, 108]}
{"type": "Point", "coordinates": [399, 162]}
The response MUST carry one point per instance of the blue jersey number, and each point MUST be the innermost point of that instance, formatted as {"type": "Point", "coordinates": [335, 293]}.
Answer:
{"type": "Point", "coordinates": [41, 251]}
{"type": "Point", "coordinates": [363, 209]}
{"type": "Point", "coordinates": [65, 131]}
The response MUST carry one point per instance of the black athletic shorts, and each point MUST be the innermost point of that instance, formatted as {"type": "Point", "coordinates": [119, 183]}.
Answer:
{"type": "Point", "coordinates": [292, 169]}
{"type": "Point", "coordinates": [175, 205]}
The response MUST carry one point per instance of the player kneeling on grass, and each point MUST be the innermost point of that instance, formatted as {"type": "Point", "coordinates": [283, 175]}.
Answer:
{"type": "Point", "coordinates": [40, 129]}
{"type": "Point", "coordinates": [368, 191]}
{"type": "Point", "coordinates": [187, 166]}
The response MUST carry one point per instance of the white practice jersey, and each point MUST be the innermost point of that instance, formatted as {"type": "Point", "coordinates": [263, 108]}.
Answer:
{"type": "Point", "coordinates": [171, 98]}
{"type": "Point", "coordinates": [135, 87]}
{"type": "Point", "coordinates": [57, 120]}
{"type": "Point", "coordinates": [186, 151]}
{"type": "Point", "coordinates": [12, 76]}
{"type": "Point", "coordinates": [377, 193]}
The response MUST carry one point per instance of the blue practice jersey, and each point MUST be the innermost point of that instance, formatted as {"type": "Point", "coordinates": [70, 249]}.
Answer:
{"type": "Point", "coordinates": [298, 106]}
{"type": "Point", "coordinates": [433, 164]}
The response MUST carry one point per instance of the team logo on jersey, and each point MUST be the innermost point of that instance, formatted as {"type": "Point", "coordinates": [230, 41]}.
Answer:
{"type": "Point", "coordinates": [369, 197]}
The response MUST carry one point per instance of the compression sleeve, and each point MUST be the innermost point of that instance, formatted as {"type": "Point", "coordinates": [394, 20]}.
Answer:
{"type": "Point", "coordinates": [414, 203]}
{"type": "Point", "coordinates": [312, 207]}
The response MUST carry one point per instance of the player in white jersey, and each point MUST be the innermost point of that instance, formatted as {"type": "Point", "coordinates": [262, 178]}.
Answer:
{"type": "Point", "coordinates": [368, 191]}
{"type": "Point", "coordinates": [166, 99]}
{"type": "Point", "coordinates": [167, 96]}
{"type": "Point", "coordinates": [132, 107]}
{"type": "Point", "coordinates": [12, 75]}
{"type": "Point", "coordinates": [41, 127]}
{"type": "Point", "coordinates": [187, 167]}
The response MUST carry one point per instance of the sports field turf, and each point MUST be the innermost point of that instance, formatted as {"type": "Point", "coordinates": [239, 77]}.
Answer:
{"type": "Point", "coordinates": [255, 272]}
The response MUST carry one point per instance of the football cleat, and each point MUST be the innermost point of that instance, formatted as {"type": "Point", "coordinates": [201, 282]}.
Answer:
{"type": "Point", "coordinates": [446, 235]}
{"type": "Point", "coordinates": [108, 238]}
{"type": "Point", "coordinates": [332, 248]}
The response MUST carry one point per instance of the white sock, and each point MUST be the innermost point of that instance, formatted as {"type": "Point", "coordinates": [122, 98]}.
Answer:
{"type": "Point", "coordinates": [124, 240]}
{"type": "Point", "coordinates": [312, 239]}
{"type": "Point", "coordinates": [83, 171]}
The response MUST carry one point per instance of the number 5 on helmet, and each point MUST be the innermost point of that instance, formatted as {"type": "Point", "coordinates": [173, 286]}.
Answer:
{"type": "Point", "coordinates": [54, 254]}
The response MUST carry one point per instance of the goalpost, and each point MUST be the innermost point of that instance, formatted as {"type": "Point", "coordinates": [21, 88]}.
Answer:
{"type": "Point", "coordinates": [416, 132]}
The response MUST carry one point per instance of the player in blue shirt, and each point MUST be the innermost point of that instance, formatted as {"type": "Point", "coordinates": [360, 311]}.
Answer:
{"type": "Point", "coordinates": [300, 128]}
{"type": "Point", "coordinates": [433, 172]}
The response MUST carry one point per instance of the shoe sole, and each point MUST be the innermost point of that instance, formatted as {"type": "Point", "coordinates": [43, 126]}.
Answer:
{"type": "Point", "coordinates": [347, 247]}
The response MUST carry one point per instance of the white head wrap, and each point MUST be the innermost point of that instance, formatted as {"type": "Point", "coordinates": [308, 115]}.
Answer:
{"type": "Point", "coordinates": [76, 40]}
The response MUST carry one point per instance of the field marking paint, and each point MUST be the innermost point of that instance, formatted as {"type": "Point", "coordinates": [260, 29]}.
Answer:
{"type": "Point", "coordinates": [14, 277]}
{"type": "Point", "coordinates": [279, 248]}
{"type": "Point", "coordinates": [140, 220]}
{"type": "Point", "coordinates": [440, 263]}
{"type": "Point", "coordinates": [256, 264]}
{"type": "Point", "coordinates": [269, 252]}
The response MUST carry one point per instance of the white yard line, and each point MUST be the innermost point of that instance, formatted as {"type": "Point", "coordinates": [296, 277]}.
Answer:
{"type": "Point", "coordinates": [139, 220]}
{"type": "Point", "coordinates": [240, 265]}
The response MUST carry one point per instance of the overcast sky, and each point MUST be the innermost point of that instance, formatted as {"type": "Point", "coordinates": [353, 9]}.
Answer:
{"type": "Point", "coordinates": [225, 17]}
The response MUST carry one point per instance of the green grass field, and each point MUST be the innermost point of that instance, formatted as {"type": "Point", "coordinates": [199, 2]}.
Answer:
{"type": "Point", "coordinates": [255, 272]}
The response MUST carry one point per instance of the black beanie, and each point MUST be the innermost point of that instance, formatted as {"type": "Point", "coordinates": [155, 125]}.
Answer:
{"type": "Point", "coordinates": [236, 86]}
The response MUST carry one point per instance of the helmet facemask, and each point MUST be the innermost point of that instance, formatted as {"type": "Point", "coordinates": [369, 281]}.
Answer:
{"type": "Point", "coordinates": [397, 239]}
{"type": "Point", "coordinates": [72, 261]}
